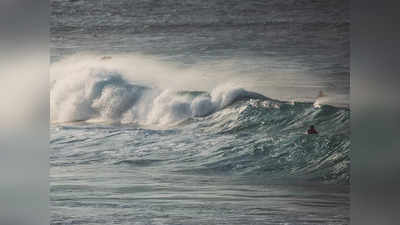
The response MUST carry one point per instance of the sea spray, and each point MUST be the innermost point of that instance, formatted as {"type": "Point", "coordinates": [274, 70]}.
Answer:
{"type": "Point", "coordinates": [100, 93]}
{"type": "Point", "coordinates": [246, 132]}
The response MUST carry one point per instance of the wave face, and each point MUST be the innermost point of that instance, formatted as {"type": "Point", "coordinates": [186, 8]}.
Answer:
{"type": "Point", "coordinates": [227, 131]}
{"type": "Point", "coordinates": [273, 141]}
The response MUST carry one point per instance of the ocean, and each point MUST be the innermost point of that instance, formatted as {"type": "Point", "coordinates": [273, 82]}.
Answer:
{"type": "Point", "coordinates": [196, 112]}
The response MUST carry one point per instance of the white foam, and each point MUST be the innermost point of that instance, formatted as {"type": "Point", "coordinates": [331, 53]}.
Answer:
{"type": "Point", "coordinates": [97, 91]}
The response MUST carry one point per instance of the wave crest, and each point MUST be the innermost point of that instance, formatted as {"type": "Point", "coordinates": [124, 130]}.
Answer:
{"type": "Point", "coordinates": [102, 95]}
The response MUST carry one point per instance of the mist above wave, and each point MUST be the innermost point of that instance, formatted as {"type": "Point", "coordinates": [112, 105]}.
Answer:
{"type": "Point", "coordinates": [96, 90]}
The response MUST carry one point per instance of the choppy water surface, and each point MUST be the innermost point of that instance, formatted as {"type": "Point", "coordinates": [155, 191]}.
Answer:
{"type": "Point", "coordinates": [195, 112]}
{"type": "Point", "coordinates": [250, 163]}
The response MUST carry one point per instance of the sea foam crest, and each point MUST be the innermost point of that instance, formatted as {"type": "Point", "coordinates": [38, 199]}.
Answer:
{"type": "Point", "coordinates": [101, 94]}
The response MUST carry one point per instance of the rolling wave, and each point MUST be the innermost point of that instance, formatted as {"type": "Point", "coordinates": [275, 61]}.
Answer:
{"type": "Point", "coordinates": [271, 140]}
{"type": "Point", "coordinates": [102, 95]}
{"type": "Point", "coordinates": [251, 134]}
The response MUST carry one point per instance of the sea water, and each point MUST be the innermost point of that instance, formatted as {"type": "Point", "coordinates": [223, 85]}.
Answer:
{"type": "Point", "coordinates": [195, 112]}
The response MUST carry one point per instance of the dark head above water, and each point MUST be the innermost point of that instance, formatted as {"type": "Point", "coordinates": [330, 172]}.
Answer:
{"type": "Point", "coordinates": [312, 130]}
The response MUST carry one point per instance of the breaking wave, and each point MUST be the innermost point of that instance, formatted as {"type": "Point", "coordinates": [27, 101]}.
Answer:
{"type": "Point", "coordinates": [247, 133]}
{"type": "Point", "coordinates": [101, 95]}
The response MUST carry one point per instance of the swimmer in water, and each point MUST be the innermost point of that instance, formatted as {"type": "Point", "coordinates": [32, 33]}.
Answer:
{"type": "Point", "coordinates": [312, 130]}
